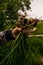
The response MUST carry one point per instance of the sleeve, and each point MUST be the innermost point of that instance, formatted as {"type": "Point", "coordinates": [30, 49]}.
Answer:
{"type": "Point", "coordinates": [6, 36]}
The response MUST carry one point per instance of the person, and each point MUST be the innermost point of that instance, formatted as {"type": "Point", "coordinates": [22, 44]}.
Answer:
{"type": "Point", "coordinates": [10, 34]}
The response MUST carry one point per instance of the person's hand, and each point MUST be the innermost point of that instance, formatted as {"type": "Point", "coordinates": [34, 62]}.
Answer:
{"type": "Point", "coordinates": [16, 31]}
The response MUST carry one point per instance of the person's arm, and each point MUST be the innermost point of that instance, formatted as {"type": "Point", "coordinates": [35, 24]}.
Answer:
{"type": "Point", "coordinates": [9, 35]}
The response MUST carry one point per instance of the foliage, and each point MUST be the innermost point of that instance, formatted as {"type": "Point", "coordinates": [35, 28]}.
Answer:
{"type": "Point", "coordinates": [12, 6]}
{"type": "Point", "coordinates": [2, 19]}
{"type": "Point", "coordinates": [10, 9]}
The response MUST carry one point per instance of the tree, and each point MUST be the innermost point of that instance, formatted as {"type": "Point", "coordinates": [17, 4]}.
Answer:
{"type": "Point", "coordinates": [12, 6]}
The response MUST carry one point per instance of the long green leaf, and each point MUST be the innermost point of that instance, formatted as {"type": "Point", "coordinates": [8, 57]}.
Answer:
{"type": "Point", "coordinates": [37, 56]}
{"type": "Point", "coordinates": [11, 50]}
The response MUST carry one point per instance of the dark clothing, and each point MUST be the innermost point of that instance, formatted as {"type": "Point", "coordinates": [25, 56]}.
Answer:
{"type": "Point", "coordinates": [6, 36]}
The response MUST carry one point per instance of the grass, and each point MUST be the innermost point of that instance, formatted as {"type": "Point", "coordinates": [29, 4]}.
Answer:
{"type": "Point", "coordinates": [6, 48]}
{"type": "Point", "coordinates": [39, 28]}
{"type": "Point", "coordinates": [23, 55]}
